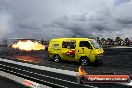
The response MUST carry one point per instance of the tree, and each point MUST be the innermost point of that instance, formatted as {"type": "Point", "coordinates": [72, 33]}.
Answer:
{"type": "Point", "coordinates": [73, 36]}
{"type": "Point", "coordinates": [112, 42]}
{"type": "Point", "coordinates": [127, 41]}
{"type": "Point", "coordinates": [98, 40]}
{"type": "Point", "coordinates": [103, 39]}
{"type": "Point", "coordinates": [118, 40]}
{"type": "Point", "coordinates": [108, 41]}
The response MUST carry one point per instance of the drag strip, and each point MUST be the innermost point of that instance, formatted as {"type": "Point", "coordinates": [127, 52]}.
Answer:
{"type": "Point", "coordinates": [56, 79]}
{"type": "Point", "coordinates": [117, 60]}
{"type": "Point", "coordinates": [44, 76]}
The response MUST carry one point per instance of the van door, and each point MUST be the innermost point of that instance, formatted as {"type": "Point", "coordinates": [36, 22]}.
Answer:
{"type": "Point", "coordinates": [68, 50]}
{"type": "Point", "coordinates": [84, 49]}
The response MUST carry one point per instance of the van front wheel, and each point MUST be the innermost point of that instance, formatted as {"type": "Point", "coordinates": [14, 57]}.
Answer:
{"type": "Point", "coordinates": [84, 61]}
{"type": "Point", "coordinates": [56, 58]}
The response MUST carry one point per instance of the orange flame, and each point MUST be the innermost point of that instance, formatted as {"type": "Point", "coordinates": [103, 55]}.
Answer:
{"type": "Point", "coordinates": [81, 71]}
{"type": "Point", "coordinates": [28, 45]}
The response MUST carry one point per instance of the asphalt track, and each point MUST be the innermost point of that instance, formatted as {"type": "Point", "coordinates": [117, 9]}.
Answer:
{"type": "Point", "coordinates": [117, 60]}
{"type": "Point", "coordinates": [6, 83]}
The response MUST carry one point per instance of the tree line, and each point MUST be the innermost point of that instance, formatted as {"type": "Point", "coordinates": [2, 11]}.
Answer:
{"type": "Point", "coordinates": [117, 41]}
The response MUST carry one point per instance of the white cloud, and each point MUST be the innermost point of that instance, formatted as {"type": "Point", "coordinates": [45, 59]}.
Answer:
{"type": "Point", "coordinates": [61, 18]}
{"type": "Point", "coordinates": [5, 24]}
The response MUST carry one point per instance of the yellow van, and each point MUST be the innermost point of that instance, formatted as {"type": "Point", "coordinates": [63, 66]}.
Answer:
{"type": "Point", "coordinates": [83, 50]}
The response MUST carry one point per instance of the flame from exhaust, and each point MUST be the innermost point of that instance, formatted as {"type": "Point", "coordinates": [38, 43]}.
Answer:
{"type": "Point", "coordinates": [81, 71]}
{"type": "Point", "coordinates": [28, 45]}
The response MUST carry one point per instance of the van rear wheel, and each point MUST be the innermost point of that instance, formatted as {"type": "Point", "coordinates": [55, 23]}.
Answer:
{"type": "Point", "coordinates": [56, 58]}
{"type": "Point", "coordinates": [84, 61]}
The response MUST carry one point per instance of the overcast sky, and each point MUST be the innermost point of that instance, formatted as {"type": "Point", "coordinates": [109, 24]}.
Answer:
{"type": "Point", "coordinates": [63, 18]}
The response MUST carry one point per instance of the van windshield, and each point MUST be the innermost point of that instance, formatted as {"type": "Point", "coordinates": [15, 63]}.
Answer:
{"type": "Point", "coordinates": [95, 44]}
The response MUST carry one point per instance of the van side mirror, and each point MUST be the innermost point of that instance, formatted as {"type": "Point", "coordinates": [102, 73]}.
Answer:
{"type": "Point", "coordinates": [90, 47]}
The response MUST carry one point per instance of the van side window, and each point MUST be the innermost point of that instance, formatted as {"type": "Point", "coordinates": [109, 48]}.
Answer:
{"type": "Point", "coordinates": [65, 44]}
{"type": "Point", "coordinates": [85, 44]}
{"type": "Point", "coordinates": [71, 44]}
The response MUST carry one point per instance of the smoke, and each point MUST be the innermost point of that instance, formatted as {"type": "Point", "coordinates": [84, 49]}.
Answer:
{"type": "Point", "coordinates": [5, 24]}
